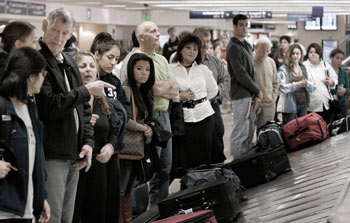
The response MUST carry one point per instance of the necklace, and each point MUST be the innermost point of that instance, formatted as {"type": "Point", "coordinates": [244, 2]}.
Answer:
{"type": "Point", "coordinates": [187, 66]}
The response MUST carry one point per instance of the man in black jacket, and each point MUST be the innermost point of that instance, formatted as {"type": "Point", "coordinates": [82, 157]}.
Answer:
{"type": "Point", "coordinates": [64, 109]}
{"type": "Point", "coordinates": [244, 86]}
{"type": "Point", "coordinates": [171, 46]}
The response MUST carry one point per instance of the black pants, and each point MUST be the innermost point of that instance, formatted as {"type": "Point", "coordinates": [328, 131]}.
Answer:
{"type": "Point", "coordinates": [16, 221]}
{"type": "Point", "coordinates": [219, 128]}
{"type": "Point", "coordinates": [195, 147]}
{"type": "Point", "coordinates": [98, 193]}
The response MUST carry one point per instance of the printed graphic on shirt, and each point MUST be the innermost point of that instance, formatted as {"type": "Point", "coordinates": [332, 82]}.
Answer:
{"type": "Point", "coordinates": [110, 93]}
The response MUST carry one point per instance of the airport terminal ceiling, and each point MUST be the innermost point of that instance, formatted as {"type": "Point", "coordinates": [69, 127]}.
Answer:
{"type": "Point", "coordinates": [278, 7]}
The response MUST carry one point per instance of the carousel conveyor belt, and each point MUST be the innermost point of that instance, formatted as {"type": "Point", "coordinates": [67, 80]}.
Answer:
{"type": "Point", "coordinates": [311, 192]}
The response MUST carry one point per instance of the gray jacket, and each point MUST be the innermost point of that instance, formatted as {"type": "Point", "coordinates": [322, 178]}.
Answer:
{"type": "Point", "coordinates": [240, 65]}
{"type": "Point", "coordinates": [220, 74]}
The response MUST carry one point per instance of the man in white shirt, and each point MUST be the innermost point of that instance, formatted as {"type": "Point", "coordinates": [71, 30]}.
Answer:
{"type": "Point", "coordinates": [266, 73]}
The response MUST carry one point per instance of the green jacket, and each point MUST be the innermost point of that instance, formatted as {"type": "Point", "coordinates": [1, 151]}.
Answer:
{"type": "Point", "coordinates": [342, 79]}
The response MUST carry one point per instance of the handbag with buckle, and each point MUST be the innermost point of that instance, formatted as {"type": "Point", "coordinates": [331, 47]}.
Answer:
{"type": "Point", "coordinates": [134, 141]}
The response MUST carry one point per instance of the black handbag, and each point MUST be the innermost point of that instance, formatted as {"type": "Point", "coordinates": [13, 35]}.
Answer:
{"type": "Point", "coordinates": [160, 136]}
{"type": "Point", "coordinates": [176, 115]}
{"type": "Point", "coordinates": [334, 105]}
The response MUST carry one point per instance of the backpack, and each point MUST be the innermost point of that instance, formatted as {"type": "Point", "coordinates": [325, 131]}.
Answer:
{"type": "Point", "coordinates": [270, 135]}
{"type": "Point", "coordinates": [119, 121]}
{"type": "Point", "coordinates": [5, 127]}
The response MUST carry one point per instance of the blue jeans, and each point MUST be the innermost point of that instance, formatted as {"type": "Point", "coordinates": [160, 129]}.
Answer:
{"type": "Point", "coordinates": [242, 129]}
{"type": "Point", "coordinates": [61, 185]}
{"type": "Point", "coordinates": [159, 184]}
{"type": "Point", "coordinates": [301, 111]}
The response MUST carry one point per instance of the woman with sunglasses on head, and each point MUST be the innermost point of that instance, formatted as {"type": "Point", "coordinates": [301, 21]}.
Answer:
{"type": "Point", "coordinates": [22, 169]}
{"type": "Point", "coordinates": [97, 197]}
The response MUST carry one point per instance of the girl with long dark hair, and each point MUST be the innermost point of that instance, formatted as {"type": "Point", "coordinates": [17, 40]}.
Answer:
{"type": "Point", "coordinates": [107, 52]}
{"type": "Point", "coordinates": [141, 78]}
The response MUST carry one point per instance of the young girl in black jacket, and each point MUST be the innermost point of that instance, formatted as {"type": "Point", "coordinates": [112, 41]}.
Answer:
{"type": "Point", "coordinates": [22, 170]}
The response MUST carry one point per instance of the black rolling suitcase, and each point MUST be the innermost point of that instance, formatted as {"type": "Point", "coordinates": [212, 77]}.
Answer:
{"type": "Point", "coordinates": [211, 172]}
{"type": "Point", "coordinates": [259, 167]}
{"type": "Point", "coordinates": [217, 195]}
{"type": "Point", "coordinates": [338, 126]}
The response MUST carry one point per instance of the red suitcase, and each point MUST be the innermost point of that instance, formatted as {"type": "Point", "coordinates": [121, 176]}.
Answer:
{"type": "Point", "coordinates": [204, 216]}
{"type": "Point", "coordinates": [305, 131]}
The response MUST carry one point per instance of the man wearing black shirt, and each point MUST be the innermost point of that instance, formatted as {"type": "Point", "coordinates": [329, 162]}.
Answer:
{"type": "Point", "coordinates": [171, 46]}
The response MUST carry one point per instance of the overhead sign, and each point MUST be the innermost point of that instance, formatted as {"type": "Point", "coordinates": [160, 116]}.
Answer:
{"type": "Point", "coordinates": [299, 17]}
{"type": "Point", "coordinates": [16, 8]}
{"type": "Point", "coordinates": [256, 14]}
{"type": "Point", "coordinates": [229, 14]}
{"type": "Point", "coordinates": [317, 11]}
{"type": "Point", "coordinates": [36, 9]}
{"type": "Point", "coordinates": [210, 14]}
{"type": "Point", "coordinates": [22, 8]}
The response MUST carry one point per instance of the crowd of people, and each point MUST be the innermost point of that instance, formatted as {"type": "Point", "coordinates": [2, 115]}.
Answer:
{"type": "Point", "coordinates": [61, 159]}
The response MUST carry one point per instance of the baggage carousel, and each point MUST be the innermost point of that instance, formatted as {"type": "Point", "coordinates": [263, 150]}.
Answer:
{"type": "Point", "coordinates": [315, 189]}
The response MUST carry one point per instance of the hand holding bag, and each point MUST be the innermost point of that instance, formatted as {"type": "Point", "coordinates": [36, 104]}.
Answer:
{"type": "Point", "coordinates": [134, 141]}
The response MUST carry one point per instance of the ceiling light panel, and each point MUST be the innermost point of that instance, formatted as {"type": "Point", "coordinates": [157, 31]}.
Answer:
{"type": "Point", "coordinates": [114, 6]}
{"type": "Point", "coordinates": [244, 2]}
{"type": "Point", "coordinates": [88, 3]}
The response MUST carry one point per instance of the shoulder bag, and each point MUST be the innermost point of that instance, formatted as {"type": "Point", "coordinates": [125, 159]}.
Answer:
{"type": "Point", "coordinates": [134, 141]}
{"type": "Point", "coordinates": [334, 105]}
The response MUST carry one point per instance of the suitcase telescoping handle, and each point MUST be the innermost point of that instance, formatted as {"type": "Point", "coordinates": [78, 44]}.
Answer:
{"type": "Point", "coordinates": [195, 200]}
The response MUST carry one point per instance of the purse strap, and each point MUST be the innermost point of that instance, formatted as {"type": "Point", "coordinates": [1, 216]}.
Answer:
{"type": "Point", "coordinates": [327, 74]}
{"type": "Point", "coordinates": [133, 106]}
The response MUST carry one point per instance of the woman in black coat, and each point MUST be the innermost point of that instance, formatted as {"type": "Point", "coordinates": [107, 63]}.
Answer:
{"type": "Point", "coordinates": [97, 198]}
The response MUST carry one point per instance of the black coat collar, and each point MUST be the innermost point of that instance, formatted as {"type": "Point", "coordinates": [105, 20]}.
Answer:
{"type": "Point", "coordinates": [54, 69]}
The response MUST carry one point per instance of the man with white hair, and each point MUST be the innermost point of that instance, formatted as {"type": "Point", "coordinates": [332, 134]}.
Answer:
{"type": "Point", "coordinates": [63, 107]}
{"type": "Point", "coordinates": [164, 89]}
{"type": "Point", "coordinates": [266, 73]}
